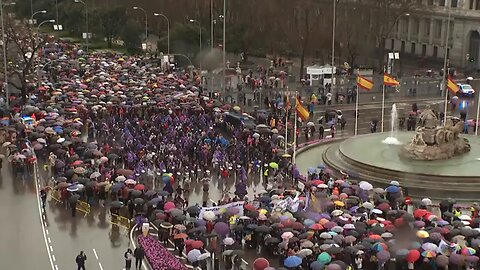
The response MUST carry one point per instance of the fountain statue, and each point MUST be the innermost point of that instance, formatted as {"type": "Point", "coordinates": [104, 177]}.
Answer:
{"type": "Point", "coordinates": [392, 139]}
{"type": "Point", "coordinates": [432, 142]}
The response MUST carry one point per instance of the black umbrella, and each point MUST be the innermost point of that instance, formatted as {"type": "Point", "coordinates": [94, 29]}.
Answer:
{"type": "Point", "coordinates": [334, 250]}
{"type": "Point", "coordinates": [252, 226]}
{"type": "Point", "coordinates": [272, 240]}
{"type": "Point", "coordinates": [150, 193]}
{"type": "Point", "coordinates": [197, 230]}
{"type": "Point", "coordinates": [193, 209]}
{"type": "Point", "coordinates": [263, 229]}
{"type": "Point", "coordinates": [116, 204]}
{"type": "Point", "coordinates": [136, 193]}
{"type": "Point", "coordinates": [138, 201]}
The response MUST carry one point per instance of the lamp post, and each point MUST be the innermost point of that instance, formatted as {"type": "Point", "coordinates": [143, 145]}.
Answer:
{"type": "Point", "coordinates": [446, 71]}
{"type": "Point", "coordinates": [334, 24]}
{"type": "Point", "coordinates": [4, 48]}
{"type": "Point", "coordinates": [168, 30]}
{"type": "Point", "coordinates": [37, 38]}
{"type": "Point", "coordinates": [86, 20]}
{"type": "Point", "coordinates": [224, 49]}
{"type": "Point", "coordinates": [146, 23]}
{"type": "Point", "coordinates": [200, 37]}
{"type": "Point", "coordinates": [35, 13]}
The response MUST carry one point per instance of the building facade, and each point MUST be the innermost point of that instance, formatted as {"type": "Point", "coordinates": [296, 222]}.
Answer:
{"type": "Point", "coordinates": [423, 32]}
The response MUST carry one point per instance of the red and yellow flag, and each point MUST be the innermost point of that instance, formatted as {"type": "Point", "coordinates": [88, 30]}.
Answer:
{"type": "Point", "coordinates": [452, 85]}
{"type": "Point", "coordinates": [364, 83]}
{"type": "Point", "coordinates": [389, 80]}
{"type": "Point", "coordinates": [302, 112]}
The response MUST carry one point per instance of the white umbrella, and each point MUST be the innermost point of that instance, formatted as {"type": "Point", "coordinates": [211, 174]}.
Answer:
{"type": "Point", "coordinates": [304, 253]}
{"type": "Point", "coordinates": [209, 215]}
{"type": "Point", "coordinates": [41, 140]}
{"type": "Point", "coordinates": [287, 235]}
{"type": "Point", "coordinates": [394, 183]}
{"type": "Point", "coordinates": [465, 217]}
{"type": "Point", "coordinates": [228, 241]}
{"type": "Point", "coordinates": [193, 255]}
{"type": "Point", "coordinates": [310, 124]}
{"type": "Point", "coordinates": [368, 205]}
{"type": "Point", "coordinates": [366, 186]}
{"type": "Point", "coordinates": [95, 175]}
{"type": "Point", "coordinates": [120, 178]}
{"type": "Point", "coordinates": [203, 256]}
{"type": "Point", "coordinates": [427, 201]}
{"type": "Point", "coordinates": [5, 144]}
{"type": "Point", "coordinates": [60, 140]}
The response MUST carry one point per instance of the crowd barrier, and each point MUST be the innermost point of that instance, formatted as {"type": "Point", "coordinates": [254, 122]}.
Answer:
{"type": "Point", "coordinates": [120, 221]}
{"type": "Point", "coordinates": [55, 195]}
{"type": "Point", "coordinates": [83, 207]}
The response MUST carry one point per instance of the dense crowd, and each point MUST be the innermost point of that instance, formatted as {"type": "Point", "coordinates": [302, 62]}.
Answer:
{"type": "Point", "coordinates": [121, 132]}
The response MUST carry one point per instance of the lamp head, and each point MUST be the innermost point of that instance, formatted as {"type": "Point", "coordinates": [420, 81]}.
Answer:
{"type": "Point", "coordinates": [76, 1]}
{"type": "Point", "coordinates": [156, 14]}
{"type": "Point", "coordinates": [135, 7]}
{"type": "Point", "coordinates": [43, 11]}
{"type": "Point", "coordinates": [192, 20]}
{"type": "Point", "coordinates": [407, 14]}
{"type": "Point", "coordinates": [52, 21]}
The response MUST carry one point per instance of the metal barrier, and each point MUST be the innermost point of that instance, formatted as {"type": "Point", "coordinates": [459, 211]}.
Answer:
{"type": "Point", "coordinates": [120, 221]}
{"type": "Point", "coordinates": [55, 195]}
{"type": "Point", "coordinates": [83, 207]}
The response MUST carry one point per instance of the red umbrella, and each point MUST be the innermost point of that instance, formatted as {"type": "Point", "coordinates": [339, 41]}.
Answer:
{"type": "Point", "coordinates": [418, 213]}
{"type": "Point", "coordinates": [168, 206]}
{"type": "Point", "coordinates": [197, 244]}
{"type": "Point", "coordinates": [384, 207]}
{"type": "Point", "coordinates": [260, 264]}
{"type": "Point", "coordinates": [250, 207]}
{"type": "Point", "coordinates": [140, 187]}
{"type": "Point", "coordinates": [317, 182]}
{"type": "Point", "coordinates": [77, 163]}
{"type": "Point", "coordinates": [413, 256]}
{"type": "Point", "coordinates": [316, 227]}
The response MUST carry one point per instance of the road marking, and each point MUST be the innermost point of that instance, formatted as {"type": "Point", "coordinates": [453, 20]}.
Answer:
{"type": "Point", "coordinates": [49, 240]}
{"type": "Point", "coordinates": [96, 256]}
{"type": "Point", "coordinates": [53, 257]}
{"type": "Point", "coordinates": [100, 265]}
{"type": "Point", "coordinates": [95, 252]}
{"type": "Point", "coordinates": [42, 220]}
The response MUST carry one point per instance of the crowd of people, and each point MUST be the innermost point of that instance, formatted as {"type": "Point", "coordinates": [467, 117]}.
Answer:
{"type": "Point", "coordinates": [120, 132]}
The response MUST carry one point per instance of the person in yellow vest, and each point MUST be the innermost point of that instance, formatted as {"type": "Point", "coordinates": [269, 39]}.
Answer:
{"type": "Point", "coordinates": [457, 212]}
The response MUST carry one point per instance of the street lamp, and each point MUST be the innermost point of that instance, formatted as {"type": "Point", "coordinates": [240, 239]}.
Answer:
{"type": "Point", "coordinates": [146, 23]}
{"type": "Point", "coordinates": [200, 36]}
{"type": "Point", "coordinates": [168, 30]}
{"type": "Point", "coordinates": [86, 20]}
{"type": "Point", "coordinates": [35, 13]}
{"type": "Point", "coordinates": [334, 25]}
{"type": "Point", "coordinates": [4, 48]}
{"type": "Point", "coordinates": [37, 38]}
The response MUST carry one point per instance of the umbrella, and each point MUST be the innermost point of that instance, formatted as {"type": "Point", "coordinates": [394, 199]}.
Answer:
{"type": "Point", "coordinates": [116, 204]}
{"type": "Point", "coordinates": [292, 261]}
{"type": "Point", "coordinates": [209, 215]}
{"type": "Point", "coordinates": [260, 264]}
{"type": "Point", "coordinates": [228, 241]}
{"type": "Point", "coordinates": [180, 236]}
{"type": "Point", "coordinates": [304, 253]}
{"type": "Point", "coordinates": [197, 244]}
{"type": "Point", "coordinates": [324, 258]}
{"type": "Point", "coordinates": [193, 255]}
{"type": "Point", "coordinates": [413, 256]}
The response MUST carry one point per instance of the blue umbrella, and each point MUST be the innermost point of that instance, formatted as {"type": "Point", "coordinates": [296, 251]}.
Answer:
{"type": "Point", "coordinates": [311, 170]}
{"type": "Point", "coordinates": [117, 186]}
{"type": "Point", "coordinates": [165, 179]}
{"type": "Point", "coordinates": [292, 261]}
{"type": "Point", "coordinates": [392, 189]}
{"type": "Point", "coordinates": [321, 166]}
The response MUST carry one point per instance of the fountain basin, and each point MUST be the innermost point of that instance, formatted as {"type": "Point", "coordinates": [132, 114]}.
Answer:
{"type": "Point", "coordinates": [371, 160]}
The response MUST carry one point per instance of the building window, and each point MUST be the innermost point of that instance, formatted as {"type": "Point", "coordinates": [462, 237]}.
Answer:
{"type": "Point", "coordinates": [427, 28]}
{"type": "Point", "coordinates": [470, 6]}
{"type": "Point", "coordinates": [454, 3]}
{"type": "Point", "coordinates": [441, 3]}
{"type": "Point", "coordinates": [402, 49]}
{"type": "Point", "coordinates": [477, 5]}
{"type": "Point", "coordinates": [413, 49]}
{"type": "Point", "coordinates": [424, 50]}
{"type": "Point", "coordinates": [393, 45]}
{"type": "Point", "coordinates": [430, 2]}
{"type": "Point", "coordinates": [435, 51]}
{"type": "Point", "coordinates": [438, 29]}
{"type": "Point", "coordinates": [415, 26]}
{"type": "Point", "coordinates": [405, 26]}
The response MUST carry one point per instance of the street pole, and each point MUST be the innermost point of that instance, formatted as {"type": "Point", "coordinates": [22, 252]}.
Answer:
{"type": "Point", "coordinates": [356, 112]}
{"type": "Point", "coordinates": [333, 42]}
{"type": "Point", "coordinates": [295, 129]}
{"type": "Point", "coordinates": [211, 24]}
{"type": "Point", "coordinates": [383, 99]}
{"type": "Point", "coordinates": [86, 21]}
{"type": "Point", "coordinates": [478, 114]}
{"type": "Point", "coordinates": [168, 30]}
{"type": "Point", "coordinates": [286, 122]}
{"type": "Point", "coordinates": [146, 23]}
{"type": "Point", "coordinates": [224, 52]}
{"type": "Point", "coordinates": [4, 48]}
{"type": "Point", "coordinates": [38, 42]}
{"type": "Point", "coordinates": [445, 71]}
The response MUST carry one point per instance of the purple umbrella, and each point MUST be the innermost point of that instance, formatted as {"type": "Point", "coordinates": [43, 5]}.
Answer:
{"type": "Point", "coordinates": [221, 228]}
{"type": "Point", "coordinates": [383, 256]}
{"type": "Point", "coordinates": [457, 259]}
{"type": "Point", "coordinates": [442, 261]}
{"type": "Point", "coordinates": [334, 266]}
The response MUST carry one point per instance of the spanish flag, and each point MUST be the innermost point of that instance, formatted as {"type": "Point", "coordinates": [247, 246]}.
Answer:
{"type": "Point", "coordinates": [389, 80]}
{"type": "Point", "coordinates": [452, 85]}
{"type": "Point", "coordinates": [302, 112]}
{"type": "Point", "coordinates": [364, 83]}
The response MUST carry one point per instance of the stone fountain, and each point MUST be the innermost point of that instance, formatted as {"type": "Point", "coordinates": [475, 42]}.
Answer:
{"type": "Point", "coordinates": [432, 142]}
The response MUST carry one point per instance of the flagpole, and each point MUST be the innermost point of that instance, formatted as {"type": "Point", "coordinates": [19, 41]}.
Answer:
{"type": "Point", "coordinates": [445, 70]}
{"type": "Point", "coordinates": [295, 130]}
{"type": "Point", "coordinates": [286, 122]}
{"type": "Point", "coordinates": [478, 114]}
{"type": "Point", "coordinates": [383, 98]}
{"type": "Point", "coordinates": [356, 112]}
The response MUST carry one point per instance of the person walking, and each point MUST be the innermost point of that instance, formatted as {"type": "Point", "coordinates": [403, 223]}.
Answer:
{"type": "Point", "coordinates": [80, 260]}
{"type": "Point", "coordinates": [128, 259]}
{"type": "Point", "coordinates": [139, 253]}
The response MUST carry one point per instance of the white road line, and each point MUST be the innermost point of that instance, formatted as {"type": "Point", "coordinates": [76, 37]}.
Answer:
{"type": "Point", "coordinates": [53, 257]}
{"type": "Point", "coordinates": [56, 267]}
{"type": "Point", "coordinates": [95, 252]}
{"type": "Point", "coordinates": [47, 232]}
{"type": "Point", "coordinates": [49, 247]}
{"type": "Point", "coordinates": [49, 240]}
{"type": "Point", "coordinates": [100, 265]}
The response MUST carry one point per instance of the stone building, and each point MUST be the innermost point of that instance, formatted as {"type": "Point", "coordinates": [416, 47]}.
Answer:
{"type": "Point", "coordinates": [422, 32]}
